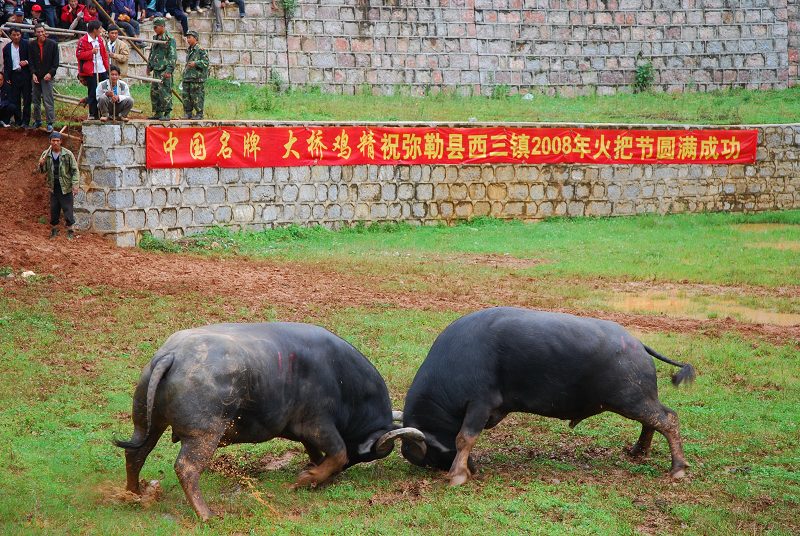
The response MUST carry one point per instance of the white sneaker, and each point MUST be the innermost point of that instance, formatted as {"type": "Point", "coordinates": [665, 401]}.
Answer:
{"type": "Point", "coordinates": [201, 10]}
{"type": "Point", "coordinates": [168, 15]}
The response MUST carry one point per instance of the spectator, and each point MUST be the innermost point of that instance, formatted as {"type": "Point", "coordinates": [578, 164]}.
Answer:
{"type": "Point", "coordinates": [192, 5]}
{"type": "Point", "coordinates": [172, 8]}
{"type": "Point", "coordinates": [44, 59]}
{"type": "Point", "coordinates": [118, 50]}
{"type": "Point", "coordinates": [8, 10]}
{"type": "Point", "coordinates": [161, 62]}
{"type": "Point", "coordinates": [7, 108]}
{"type": "Point", "coordinates": [72, 16]}
{"type": "Point", "coordinates": [125, 14]}
{"type": "Point", "coordinates": [61, 170]}
{"type": "Point", "coordinates": [151, 9]}
{"type": "Point", "coordinates": [240, 3]}
{"type": "Point", "coordinates": [194, 78]}
{"type": "Point", "coordinates": [3, 42]}
{"type": "Point", "coordinates": [217, 6]}
{"type": "Point", "coordinates": [37, 17]}
{"type": "Point", "coordinates": [49, 11]}
{"type": "Point", "coordinates": [91, 13]}
{"type": "Point", "coordinates": [92, 63]}
{"type": "Point", "coordinates": [19, 18]}
{"type": "Point", "coordinates": [114, 97]}
{"type": "Point", "coordinates": [18, 76]}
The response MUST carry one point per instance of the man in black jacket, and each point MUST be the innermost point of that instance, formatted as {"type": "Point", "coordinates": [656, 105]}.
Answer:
{"type": "Point", "coordinates": [18, 77]}
{"type": "Point", "coordinates": [43, 54]}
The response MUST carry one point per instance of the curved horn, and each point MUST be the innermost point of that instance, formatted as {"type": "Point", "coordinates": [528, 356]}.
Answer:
{"type": "Point", "coordinates": [385, 444]}
{"type": "Point", "coordinates": [397, 416]}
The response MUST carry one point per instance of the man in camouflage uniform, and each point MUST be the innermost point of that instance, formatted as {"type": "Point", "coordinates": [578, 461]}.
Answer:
{"type": "Point", "coordinates": [194, 78]}
{"type": "Point", "coordinates": [161, 63]}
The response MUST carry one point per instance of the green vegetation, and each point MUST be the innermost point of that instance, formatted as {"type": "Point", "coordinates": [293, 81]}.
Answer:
{"type": "Point", "coordinates": [70, 356]}
{"type": "Point", "coordinates": [231, 100]}
{"type": "Point", "coordinates": [712, 248]}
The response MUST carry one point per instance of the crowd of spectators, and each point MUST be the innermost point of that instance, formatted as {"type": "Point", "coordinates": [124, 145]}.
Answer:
{"type": "Point", "coordinates": [125, 14]}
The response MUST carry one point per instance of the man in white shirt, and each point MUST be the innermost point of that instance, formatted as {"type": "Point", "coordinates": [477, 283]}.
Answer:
{"type": "Point", "coordinates": [114, 97]}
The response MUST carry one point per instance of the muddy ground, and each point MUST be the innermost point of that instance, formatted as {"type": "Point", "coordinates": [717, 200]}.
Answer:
{"type": "Point", "coordinates": [91, 260]}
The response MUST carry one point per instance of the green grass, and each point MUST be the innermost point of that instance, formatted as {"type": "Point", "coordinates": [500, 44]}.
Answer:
{"type": "Point", "coordinates": [702, 248]}
{"type": "Point", "coordinates": [739, 423]}
{"type": "Point", "coordinates": [70, 357]}
{"type": "Point", "coordinates": [225, 100]}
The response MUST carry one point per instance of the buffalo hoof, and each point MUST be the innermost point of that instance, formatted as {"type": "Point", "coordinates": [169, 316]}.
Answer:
{"type": "Point", "coordinates": [636, 452]}
{"type": "Point", "coordinates": [457, 480]}
{"type": "Point", "coordinates": [679, 473]}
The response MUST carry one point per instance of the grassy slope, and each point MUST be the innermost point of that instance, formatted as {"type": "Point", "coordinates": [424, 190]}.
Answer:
{"type": "Point", "coordinates": [228, 101]}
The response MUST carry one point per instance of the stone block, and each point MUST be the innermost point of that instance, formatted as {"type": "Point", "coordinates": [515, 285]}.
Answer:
{"type": "Point", "coordinates": [369, 192]}
{"type": "Point", "coordinates": [135, 219]}
{"type": "Point", "coordinates": [229, 175]}
{"type": "Point", "coordinates": [243, 213]}
{"type": "Point", "coordinates": [107, 220]}
{"type": "Point", "coordinates": [169, 217]}
{"type": "Point", "coordinates": [389, 192]}
{"type": "Point", "coordinates": [517, 191]}
{"type": "Point", "coordinates": [164, 177]}
{"type": "Point", "coordinates": [107, 177]}
{"type": "Point", "coordinates": [238, 194]}
{"type": "Point", "coordinates": [184, 216]}
{"type": "Point", "coordinates": [125, 240]}
{"type": "Point", "coordinates": [207, 216]}
{"type": "Point", "coordinates": [271, 213]}
{"type": "Point", "coordinates": [120, 198]}
{"type": "Point", "coordinates": [307, 192]}
{"type": "Point", "coordinates": [194, 196]}
{"type": "Point", "coordinates": [289, 193]}
{"type": "Point", "coordinates": [497, 191]}
{"type": "Point", "coordinates": [201, 176]}
{"type": "Point", "coordinates": [251, 175]}
{"type": "Point", "coordinates": [262, 193]}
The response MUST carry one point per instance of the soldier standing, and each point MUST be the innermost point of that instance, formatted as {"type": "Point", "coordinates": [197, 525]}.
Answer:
{"type": "Point", "coordinates": [161, 63]}
{"type": "Point", "coordinates": [194, 78]}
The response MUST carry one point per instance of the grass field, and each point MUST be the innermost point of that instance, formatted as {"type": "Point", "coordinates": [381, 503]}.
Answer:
{"type": "Point", "coordinates": [70, 356]}
{"type": "Point", "coordinates": [225, 100]}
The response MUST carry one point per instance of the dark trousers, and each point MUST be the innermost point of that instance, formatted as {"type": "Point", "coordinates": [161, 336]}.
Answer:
{"type": "Point", "coordinates": [60, 201]}
{"type": "Point", "coordinates": [7, 111]}
{"type": "Point", "coordinates": [20, 95]}
{"type": "Point", "coordinates": [91, 86]}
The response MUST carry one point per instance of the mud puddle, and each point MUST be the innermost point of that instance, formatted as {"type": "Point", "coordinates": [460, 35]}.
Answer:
{"type": "Point", "coordinates": [679, 306]}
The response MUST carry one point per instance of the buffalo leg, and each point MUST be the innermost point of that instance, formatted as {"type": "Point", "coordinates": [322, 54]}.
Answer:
{"type": "Point", "coordinates": [642, 447]}
{"type": "Point", "coordinates": [658, 417]}
{"type": "Point", "coordinates": [474, 422]}
{"type": "Point", "coordinates": [331, 443]}
{"type": "Point", "coordinates": [135, 458]}
{"type": "Point", "coordinates": [313, 452]}
{"type": "Point", "coordinates": [196, 453]}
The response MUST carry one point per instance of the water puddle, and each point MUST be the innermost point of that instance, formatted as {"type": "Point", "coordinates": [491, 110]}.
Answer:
{"type": "Point", "coordinates": [701, 310]}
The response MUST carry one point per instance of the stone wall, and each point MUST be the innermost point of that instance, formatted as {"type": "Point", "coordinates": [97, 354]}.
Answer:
{"type": "Point", "coordinates": [562, 47]}
{"type": "Point", "coordinates": [123, 199]}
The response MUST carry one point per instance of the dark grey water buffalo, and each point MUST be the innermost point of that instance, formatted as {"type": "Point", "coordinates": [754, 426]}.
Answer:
{"type": "Point", "coordinates": [496, 361]}
{"type": "Point", "coordinates": [248, 383]}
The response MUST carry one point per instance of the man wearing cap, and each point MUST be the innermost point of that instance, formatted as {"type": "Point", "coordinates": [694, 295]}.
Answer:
{"type": "Point", "coordinates": [161, 62]}
{"type": "Point", "coordinates": [18, 76]}
{"type": "Point", "coordinates": [194, 78]}
{"type": "Point", "coordinates": [19, 18]}
{"type": "Point", "coordinates": [61, 170]}
{"type": "Point", "coordinates": [43, 53]}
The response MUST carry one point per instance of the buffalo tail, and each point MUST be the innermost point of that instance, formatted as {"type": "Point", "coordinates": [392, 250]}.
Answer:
{"type": "Point", "coordinates": [159, 369]}
{"type": "Point", "coordinates": [685, 375]}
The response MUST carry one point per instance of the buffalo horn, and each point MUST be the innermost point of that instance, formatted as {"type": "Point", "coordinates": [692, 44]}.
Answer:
{"type": "Point", "coordinates": [385, 443]}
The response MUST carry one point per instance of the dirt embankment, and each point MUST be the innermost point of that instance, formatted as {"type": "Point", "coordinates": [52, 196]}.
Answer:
{"type": "Point", "coordinates": [92, 260]}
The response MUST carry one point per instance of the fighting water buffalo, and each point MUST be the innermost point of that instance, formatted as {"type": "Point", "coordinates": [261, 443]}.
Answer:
{"type": "Point", "coordinates": [248, 383]}
{"type": "Point", "coordinates": [490, 363]}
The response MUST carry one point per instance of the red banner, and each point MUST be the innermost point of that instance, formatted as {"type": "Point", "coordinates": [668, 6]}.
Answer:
{"type": "Point", "coordinates": [243, 147]}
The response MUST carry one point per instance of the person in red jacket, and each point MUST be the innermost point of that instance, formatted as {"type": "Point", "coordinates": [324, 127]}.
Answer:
{"type": "Point", "coordinates": [92, 63]}
{"type": "Point", "coordinates": [72, 16]}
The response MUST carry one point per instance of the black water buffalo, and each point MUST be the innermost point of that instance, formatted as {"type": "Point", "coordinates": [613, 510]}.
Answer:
{"type": "Point", "coordinates": [490, 363]}
{"type": "Point", "coordinates": [248, 383]}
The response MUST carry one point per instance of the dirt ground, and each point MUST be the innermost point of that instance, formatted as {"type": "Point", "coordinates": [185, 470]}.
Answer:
{"type": "Point", "coordinates": [92, 260]}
